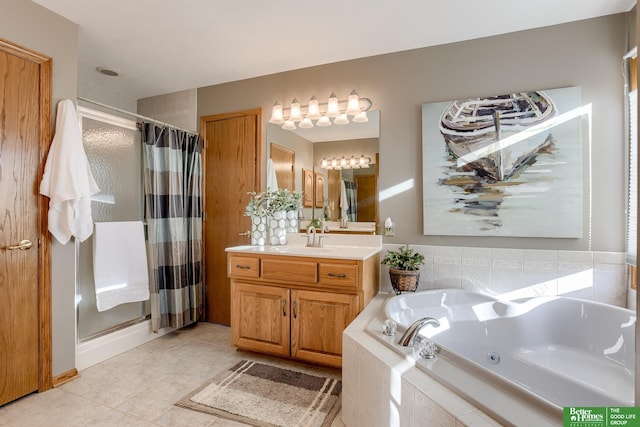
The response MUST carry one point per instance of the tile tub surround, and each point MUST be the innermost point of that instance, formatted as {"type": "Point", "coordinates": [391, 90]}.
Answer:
{"type": "Point", "coordinates": [382, 387]}
{"type": "Point", "coordinates": [519, 273]}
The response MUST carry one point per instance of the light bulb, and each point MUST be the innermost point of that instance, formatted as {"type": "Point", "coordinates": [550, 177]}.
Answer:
{"type": "Point", "coordinates": [353, 104]}
{"type": "Point", "coordinates": [341, 119]}
{"type": "Point", "coordinates": [324, 121]}
{"type": "Point", "coordinates": [361, 117]}
{"type": "Point", "coordinates": [353, 163]}
{"type": "Point", "coordinates": [289, 125]}
{"type": "Point", "coordinates": [325, 163]}
{"type": "Point", "coordinates": [333, 107]}
{"type": "Point", "coordinates": [296, 114]}
{"type": "Point", "coordinates": [343, 162]}
{"type": "Point", "coordinates": [306, 123]}
{"type": "Point", "coordinates": [276, 114]}
{"type": "Point", "coordinates": [313, 112]}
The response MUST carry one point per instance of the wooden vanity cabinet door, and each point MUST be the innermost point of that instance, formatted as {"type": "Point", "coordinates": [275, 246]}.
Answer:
{"type": "Point", "coordinates": [260, 318]}
{"type": "Point", "coordinates": [317, 322]}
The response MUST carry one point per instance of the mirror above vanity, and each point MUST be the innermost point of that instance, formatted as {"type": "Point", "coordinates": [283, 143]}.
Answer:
{"type": "Point", "coordinates": [352, 178]}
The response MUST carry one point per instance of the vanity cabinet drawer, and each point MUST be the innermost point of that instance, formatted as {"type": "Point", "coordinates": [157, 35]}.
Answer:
{"type": "Point", "coordinates": [240, 266]}
{"type": "Point", "coordinates": [338, 274]}
{"type": "Point", "coordinates": [290, 271]}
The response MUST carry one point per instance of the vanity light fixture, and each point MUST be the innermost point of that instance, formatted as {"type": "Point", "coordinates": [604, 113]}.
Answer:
{"type": "Point", "coordinates": [352, 162]}
{"type": "Point", "coordinates": [322, 113]}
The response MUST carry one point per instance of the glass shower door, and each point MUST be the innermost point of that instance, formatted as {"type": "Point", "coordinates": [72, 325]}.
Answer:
{"type": "Point", "coordinates": [113, 147]}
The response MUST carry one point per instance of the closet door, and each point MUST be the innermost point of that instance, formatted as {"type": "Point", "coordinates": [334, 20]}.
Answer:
{"type": "Point", "coordinates": [232, 165]}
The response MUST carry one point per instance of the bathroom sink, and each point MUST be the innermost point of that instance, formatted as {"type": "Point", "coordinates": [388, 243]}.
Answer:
{"type": "Point", "coordinates": [328, 251]}
{"type": "Point", "coordinates": [302, 250]}
{"type": "Point", "coordinates": [336, 246]}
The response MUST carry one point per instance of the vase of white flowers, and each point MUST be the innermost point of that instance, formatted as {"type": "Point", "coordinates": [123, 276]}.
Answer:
{"type": "Point", "coordinates": [281, 206]}
{"type": "Point", "coordinates": [257, 211]}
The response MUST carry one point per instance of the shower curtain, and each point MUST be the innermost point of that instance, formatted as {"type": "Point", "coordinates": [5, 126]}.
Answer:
{"type": "Point", "coordinates": [173, 213]}
{"type": "Point", "coordinates": [350, 188]}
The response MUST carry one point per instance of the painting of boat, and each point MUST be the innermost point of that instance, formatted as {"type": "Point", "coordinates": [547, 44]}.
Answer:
{"type": "Point", "coordinates": [498, 135]}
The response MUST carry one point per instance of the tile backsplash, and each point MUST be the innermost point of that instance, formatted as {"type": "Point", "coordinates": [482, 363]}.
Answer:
{"type": "Point", "coordinates": [519, 273]}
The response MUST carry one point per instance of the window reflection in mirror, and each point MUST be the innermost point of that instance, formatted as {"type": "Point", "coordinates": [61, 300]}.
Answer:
{"type": "Point", "coordinates": [313, 145]}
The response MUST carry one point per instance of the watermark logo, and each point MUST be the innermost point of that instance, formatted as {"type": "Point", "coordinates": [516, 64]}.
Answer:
{"type": "Point", "coordinates": [601, 416]}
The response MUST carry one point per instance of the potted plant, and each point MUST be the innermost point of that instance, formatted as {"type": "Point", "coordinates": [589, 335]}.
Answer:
{"type": "Point", "coordinates": [404, 268]}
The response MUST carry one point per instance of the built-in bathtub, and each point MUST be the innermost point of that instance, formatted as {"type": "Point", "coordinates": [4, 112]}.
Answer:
{"type": "Point", "coordinates": [553, 350]}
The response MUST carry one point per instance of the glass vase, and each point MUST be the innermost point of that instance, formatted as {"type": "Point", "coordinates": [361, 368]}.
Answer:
{"type": "Point", "coordinates": [278, 228]}
{"type": "Point", "coordinates": [258, 230]}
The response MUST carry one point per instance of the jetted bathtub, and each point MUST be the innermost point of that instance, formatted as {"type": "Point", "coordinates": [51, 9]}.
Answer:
{"type": "Point", "coordinates": [564, 351]}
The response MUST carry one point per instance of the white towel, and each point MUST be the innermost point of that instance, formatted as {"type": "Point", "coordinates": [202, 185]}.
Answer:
{"type": "Point", "coordinates": [67, 179]}
{"type": "Point", "coordinates": [272, 180]}
{"type": "Point", "coordinates": [120, 264]}
{"type": "Point", "coordinates": [344, 202]}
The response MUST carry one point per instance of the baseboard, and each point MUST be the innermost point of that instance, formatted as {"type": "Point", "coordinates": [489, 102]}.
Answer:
{"type": "Point", "coordinates": [58, 380]}
{"type": "Point", "coordinates": [97, 350]}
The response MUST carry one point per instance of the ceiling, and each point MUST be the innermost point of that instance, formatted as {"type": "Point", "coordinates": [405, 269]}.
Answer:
{"type": "Point", "coordinates": [163, 46]}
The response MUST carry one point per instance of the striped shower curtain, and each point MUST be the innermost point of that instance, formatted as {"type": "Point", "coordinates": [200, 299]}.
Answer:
{"type": "Point", "coordinates": [351, 189]}
{"type": "Point", "coordinates": [173, 213]}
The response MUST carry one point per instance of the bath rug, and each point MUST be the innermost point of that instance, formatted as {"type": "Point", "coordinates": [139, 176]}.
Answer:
{"type": "Point", "coordinates": [268, 396]}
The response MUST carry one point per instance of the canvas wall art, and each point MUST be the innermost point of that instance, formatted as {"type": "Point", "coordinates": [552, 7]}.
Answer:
{"type": "Point", "coordinates": [505, 165]}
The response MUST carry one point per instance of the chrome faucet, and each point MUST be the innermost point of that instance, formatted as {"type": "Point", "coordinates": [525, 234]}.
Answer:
{"type": "Point", "coordinates": [409, 337]}
{"type": "Point", "coordinates": [313, 239]}
{"type": "Point", "coordinates": [311, 236]}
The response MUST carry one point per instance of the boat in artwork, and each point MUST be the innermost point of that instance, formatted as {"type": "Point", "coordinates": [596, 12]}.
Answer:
{"type": "Point", "coordinates": [498, 135]}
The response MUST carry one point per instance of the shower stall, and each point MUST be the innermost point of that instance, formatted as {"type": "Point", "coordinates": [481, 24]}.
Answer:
{"type": "Point", "coordinates": [114, 150]}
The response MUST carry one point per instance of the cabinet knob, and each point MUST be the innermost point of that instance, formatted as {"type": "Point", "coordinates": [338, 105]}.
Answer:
{"type": "Point", "coordinates": [284, 308]}
{"type": "Point", "coordinates": [245, 234]}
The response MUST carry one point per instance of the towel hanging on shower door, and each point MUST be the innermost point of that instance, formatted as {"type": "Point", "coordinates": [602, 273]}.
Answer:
{"type": "Point", "coordinates": [120, 264]}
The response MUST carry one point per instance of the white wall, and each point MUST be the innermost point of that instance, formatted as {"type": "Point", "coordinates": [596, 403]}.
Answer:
{"type": "Point", "coordinates": [586, 54]}
{"type": "Point", "coordinates": [177, 109]}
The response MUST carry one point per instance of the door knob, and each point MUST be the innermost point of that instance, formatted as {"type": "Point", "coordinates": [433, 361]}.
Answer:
{"type": "Point", "coordinates": [23, 245]}
{"type": "Point", "coordinates": [245, 234]}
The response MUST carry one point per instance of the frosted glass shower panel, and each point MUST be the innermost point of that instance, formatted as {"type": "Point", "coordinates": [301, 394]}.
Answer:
{"type": "Point", "coordinates": [115, 156]}
{"type": "Point", "coordinates": [113, 147]}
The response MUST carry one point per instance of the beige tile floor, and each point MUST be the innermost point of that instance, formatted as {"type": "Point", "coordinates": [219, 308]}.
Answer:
{"type": "Point", "coordinates": [139, 388]}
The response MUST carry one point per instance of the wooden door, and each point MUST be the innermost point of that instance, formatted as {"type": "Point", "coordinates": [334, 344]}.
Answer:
{"type": "Point", "coordinates": [307, 188]}
{"type": "Point", "coordinates": [260, 318]}
{"type": "Point", "coordinates": [25, 317]}
{"type": "Point", "coordinates": [319, 190]}
{"type": "Point", "coordinates": [366, 198]}
{"type": "Point", "coordinates": [318, 319]}
{"type": "Point", "coordinates": [333, 184]}
{"type": "Point", "coordinates": [232, 164]}
{"type": "Point", "coordinates": [284, 162]}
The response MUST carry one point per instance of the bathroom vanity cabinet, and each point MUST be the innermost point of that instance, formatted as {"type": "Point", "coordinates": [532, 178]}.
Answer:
{"type": "Point", "coordinates": [298, 306]}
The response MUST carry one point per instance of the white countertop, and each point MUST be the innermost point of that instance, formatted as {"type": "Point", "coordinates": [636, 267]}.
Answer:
{"type": "Point", "coordinates": [352, 227]}
{"type": "Point", "coordinates": [358, 247]}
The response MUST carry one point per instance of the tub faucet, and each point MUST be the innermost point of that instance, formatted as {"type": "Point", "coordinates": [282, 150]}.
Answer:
{"type": "Point", "coordinates": [409, 337]}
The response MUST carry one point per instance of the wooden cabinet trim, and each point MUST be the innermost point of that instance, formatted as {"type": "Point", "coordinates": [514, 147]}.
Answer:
{"type": "Point", "coordinates": [323, 303]}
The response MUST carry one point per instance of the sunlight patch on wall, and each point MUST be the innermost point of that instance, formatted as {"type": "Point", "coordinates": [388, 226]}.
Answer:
{"type": "Point", "coordinates": [397, 189]}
